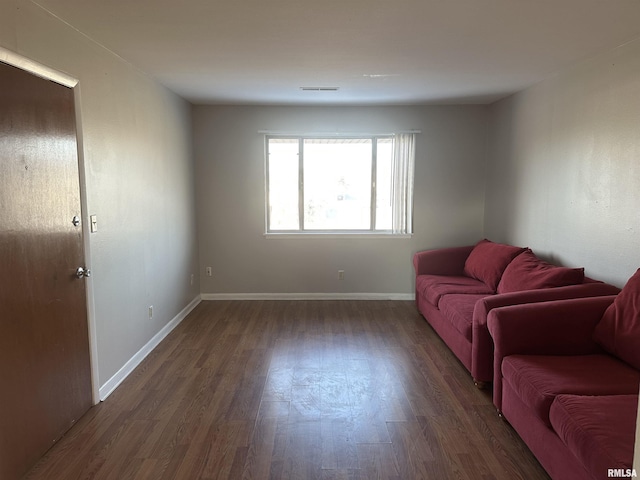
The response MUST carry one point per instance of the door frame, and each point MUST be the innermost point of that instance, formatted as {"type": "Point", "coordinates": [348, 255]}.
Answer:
{"type": "Point", "coordinates": [48, 73]}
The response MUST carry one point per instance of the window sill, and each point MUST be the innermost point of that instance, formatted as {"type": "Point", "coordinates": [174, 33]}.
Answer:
{"type": "Point", "coordinates": [334, 235]}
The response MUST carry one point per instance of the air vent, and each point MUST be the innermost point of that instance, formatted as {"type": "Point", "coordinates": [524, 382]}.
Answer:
{"type": "Point", "coordinates": [320, 89]}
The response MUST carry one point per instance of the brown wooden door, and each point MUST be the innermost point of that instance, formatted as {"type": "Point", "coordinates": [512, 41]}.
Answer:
{"type": "Point", "coordinates": [45, 374]}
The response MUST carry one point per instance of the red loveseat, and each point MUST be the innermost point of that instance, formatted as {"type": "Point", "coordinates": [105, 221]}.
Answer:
{"type": "Point", "coordinates": [567, 375]}
{"type": "Point", "coordinates": [457, 287]}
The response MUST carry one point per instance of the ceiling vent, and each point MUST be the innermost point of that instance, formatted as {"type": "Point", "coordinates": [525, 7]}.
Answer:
{"type": "Point", "coordinates": [319, 89]}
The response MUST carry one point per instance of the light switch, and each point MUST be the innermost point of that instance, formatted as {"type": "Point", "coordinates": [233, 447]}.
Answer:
{"type": "Point", "coordinates": [94, 223]}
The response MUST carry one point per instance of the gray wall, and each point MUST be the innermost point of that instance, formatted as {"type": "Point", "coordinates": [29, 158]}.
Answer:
{"type": "Point", "coordinates": [564, 166]}
{"type": "Point", "coordinates": [229, 151]}
{"type": "Point", "coordinates": [139, 182]}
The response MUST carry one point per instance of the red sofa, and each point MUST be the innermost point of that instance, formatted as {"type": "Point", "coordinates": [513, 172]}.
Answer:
{"type": "Point", "coordinates": [457, 287]}
{"type": "Point", "coordinates": [567, 375]}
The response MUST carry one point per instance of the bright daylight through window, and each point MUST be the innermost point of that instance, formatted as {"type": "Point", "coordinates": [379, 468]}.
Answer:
{"type": "Point", "coordinates": [340, 184]}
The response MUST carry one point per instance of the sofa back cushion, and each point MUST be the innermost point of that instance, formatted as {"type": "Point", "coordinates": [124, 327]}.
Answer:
{"type": "Point", "coordinates": [528, 272]}
{"type": "Point", "coordinates": [618, 332]}
{"type": "Point", "coordinates": [487, 261]}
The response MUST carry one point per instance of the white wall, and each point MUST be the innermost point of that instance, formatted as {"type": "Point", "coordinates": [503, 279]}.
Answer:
{"type": "Point", "coordinates": [229, 150]}
{"type": "Point", "coordinates": [564, 166]}
{"type": "Point", "coordinates": [139, 182]}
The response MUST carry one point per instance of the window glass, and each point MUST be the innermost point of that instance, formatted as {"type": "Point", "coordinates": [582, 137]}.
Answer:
{"type": "Point", "coordinates": [337, 184]}
{"type": "Point", "coordinates": [347, 184]}
{"type": "Point", "coordinates": [383, 183]}
{"type": "Point", "coordinates": [283, 175]}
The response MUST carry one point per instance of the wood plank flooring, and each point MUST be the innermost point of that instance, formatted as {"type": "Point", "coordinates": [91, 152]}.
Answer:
{"type": "Point", "coordinates": [295, 390]}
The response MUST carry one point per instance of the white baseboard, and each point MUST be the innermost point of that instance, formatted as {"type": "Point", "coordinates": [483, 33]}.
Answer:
{"type": "Point", "coordinates": [308, 296]}
{"type": "Point", "coordinates": [125, 371]}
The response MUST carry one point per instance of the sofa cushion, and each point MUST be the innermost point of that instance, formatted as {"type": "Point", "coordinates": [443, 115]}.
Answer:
{"type": "Point", "coordinates": [433, 287]}
{"type": "Point", "coordinates": [458, 309]}
{"type": "Point", "coordinates": [598, 430]}
{"type": "Point", "coordinates": [618, 332]}
{"type": "Point", "coordinates": [487, 261]}
{"type": "Point", "coordinates": [528, 272]}
{"type": "Point", "coordinates": [538, 379]}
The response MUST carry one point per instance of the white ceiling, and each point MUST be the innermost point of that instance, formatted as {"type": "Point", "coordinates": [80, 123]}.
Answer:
{"type": "Point", "coordinates": [375, 51]}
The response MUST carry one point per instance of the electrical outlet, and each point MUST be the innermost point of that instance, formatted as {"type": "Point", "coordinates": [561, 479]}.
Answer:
{"type": "Point", "coordinates": [192, 278]}
{"type": "Point", "coordinates": [340, 274]}
{"type": "Point", "coordinates": [209, 272]}
{"type": "Point", "coordinates": [150, 312]}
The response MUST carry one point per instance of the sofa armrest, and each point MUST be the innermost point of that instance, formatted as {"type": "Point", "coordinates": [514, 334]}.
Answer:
{"type": "Point", "coordinates": [441, 261]}
{"type": "Point", "coordinates": [482, 345]}
{"type": "Point", "coordinates": [560, 327]}
{"type": "Point", "coordinates": [595, 289]}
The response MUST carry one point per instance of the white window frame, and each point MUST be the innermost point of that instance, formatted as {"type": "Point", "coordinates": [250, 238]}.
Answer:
{"type": "Point", "coordinates": [402, 183]}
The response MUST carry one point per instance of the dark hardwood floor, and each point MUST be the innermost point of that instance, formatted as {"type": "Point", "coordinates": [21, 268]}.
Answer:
{"type": "Point", "coordinates": [295, 390]}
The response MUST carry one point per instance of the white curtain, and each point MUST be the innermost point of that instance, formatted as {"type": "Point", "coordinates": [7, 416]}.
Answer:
{"type": "Point", "coordinates": [404, 153]}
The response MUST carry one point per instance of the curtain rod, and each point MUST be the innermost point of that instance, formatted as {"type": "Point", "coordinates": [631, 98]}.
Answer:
{"type": "Point", "coordinates": [335, 134]}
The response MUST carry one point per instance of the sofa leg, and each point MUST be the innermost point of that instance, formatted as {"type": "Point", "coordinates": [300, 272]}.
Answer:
{"type": "Point", "coordinates": [480, 384]}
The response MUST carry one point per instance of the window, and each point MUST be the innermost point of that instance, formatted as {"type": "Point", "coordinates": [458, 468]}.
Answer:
{"type": "Point", "coordinates": [339, 184]}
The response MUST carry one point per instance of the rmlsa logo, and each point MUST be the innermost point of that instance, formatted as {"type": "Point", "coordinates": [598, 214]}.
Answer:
{"type": "Point", "coordinates": [622, 473]}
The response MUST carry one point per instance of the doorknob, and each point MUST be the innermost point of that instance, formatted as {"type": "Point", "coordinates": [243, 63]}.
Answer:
{"type": "Point", "coordinates": [82, 272]}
